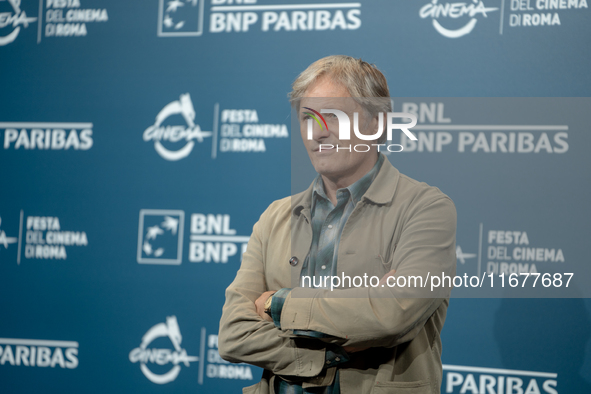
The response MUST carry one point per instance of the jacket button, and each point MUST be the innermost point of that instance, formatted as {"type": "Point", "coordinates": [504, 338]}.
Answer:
{"type": "Point", "coordinates": [294, 261]}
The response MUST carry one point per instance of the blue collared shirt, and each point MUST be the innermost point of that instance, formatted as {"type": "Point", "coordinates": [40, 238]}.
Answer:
{"type": "Point", "coordinates": [328, 222]}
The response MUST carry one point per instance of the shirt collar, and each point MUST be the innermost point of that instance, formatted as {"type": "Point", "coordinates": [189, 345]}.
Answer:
{"type": "Point", "coordinates": [356, 190]}
{"type": "Point", "coordinates": [381, 191]}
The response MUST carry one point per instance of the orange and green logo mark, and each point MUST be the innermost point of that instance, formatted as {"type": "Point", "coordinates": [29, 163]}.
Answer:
{"type": "Point", "coordinates": [316, 118]}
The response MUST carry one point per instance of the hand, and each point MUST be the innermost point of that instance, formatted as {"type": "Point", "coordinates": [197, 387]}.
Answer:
{"type": "Point", "coordinates": [384, 280]}
{"type": "Point", "coordinates": [260, 305]}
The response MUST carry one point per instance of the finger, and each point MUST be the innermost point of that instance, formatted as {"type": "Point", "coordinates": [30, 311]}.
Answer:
{"type": "Point", "coordinates": [384, 279]}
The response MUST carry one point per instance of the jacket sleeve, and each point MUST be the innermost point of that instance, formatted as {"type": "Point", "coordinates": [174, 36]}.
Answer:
{"type": "Point", "coordinates": [385, 316]}
{"type": "Point", "coordinates": [245, 337]}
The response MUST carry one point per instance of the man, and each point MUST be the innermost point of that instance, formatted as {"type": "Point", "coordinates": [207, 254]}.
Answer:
{"type": "Point", "coordinates": [360, 217]}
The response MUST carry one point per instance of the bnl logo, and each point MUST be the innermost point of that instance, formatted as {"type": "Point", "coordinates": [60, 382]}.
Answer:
{"type": "Point", "coordinates": [160, 236]}
{"type": "Point", "coordinates": [180, 18]}
{"type": "Point", "coordinates": [213, 240]}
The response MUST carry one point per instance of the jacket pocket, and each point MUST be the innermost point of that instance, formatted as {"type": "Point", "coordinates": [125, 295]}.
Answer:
{"type": "Point", "coordinates": [417, 387]}
{"type": "Point", "coordinates": [254, 389]}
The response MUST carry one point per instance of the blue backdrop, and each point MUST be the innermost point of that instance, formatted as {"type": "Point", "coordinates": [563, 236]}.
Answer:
{"type": "Point", "coordinates": [141, 140]}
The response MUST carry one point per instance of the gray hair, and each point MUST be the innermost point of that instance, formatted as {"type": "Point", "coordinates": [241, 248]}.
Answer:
{"type": "Point", "coordinates": [364, 82]}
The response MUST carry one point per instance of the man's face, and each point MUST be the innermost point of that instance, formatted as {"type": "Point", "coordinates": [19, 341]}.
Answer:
{"type": "Point", "coordinates": [342, 165]}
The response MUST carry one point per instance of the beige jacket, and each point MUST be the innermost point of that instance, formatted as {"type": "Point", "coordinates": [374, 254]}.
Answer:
{"type": "Point", "coordinates": [399, 224]}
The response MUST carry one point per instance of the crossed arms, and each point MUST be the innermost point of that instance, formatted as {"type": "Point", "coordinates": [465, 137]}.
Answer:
{"type": "Point", "coordinates": [368, 317]}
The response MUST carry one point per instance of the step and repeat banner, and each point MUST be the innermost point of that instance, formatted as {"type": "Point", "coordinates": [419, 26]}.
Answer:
{"type": "Point", "coordinates": [141, 141]}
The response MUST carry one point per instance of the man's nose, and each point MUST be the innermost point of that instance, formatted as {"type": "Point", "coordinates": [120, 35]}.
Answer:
{"type": "Point", "coordinates": [319, 132]}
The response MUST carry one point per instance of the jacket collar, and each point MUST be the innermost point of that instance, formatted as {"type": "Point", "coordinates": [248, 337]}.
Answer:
{"type": "Point", "coordinates": [381, 191]}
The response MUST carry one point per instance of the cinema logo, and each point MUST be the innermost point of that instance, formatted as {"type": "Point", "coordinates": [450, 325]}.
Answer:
{"type": "Point", "coordinates": [146, 355]}
{"type": "Point", "coordinates": [343, 124]}
{"type": "Point", "coordinates": [240, 131]}
{"type": "Point", "coordinates": [510, 252]}
{"type": "Point", "coordinates": [38, 353]}
{"type": "Point", "coordinates": [45, 238]}
{"type": "Point", "coordinates": [67, 18]}
{"type": "Point", "coordinates": [462, 256]}
{"type": "Point", "coordinates": [12, 20]}
{"type": "Point", "coordinates": [462, 379]}
{"type": "Point", "coordinates": [63, 18]}
{"type": "Point", "coordinates": [175, 132]}
{"type": "Point", "coordinates": [47, 135]}
{"type": "Point", "coordinates": [4, 239]}
{"type": "Point", "coordinates": [528, 13]}
{"type": "Point", "coordinates": [218, 368]}
{"type": "Point", "coordinates": [459, 10]}
{"type": "Point", "coordinates": [180, 139]}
